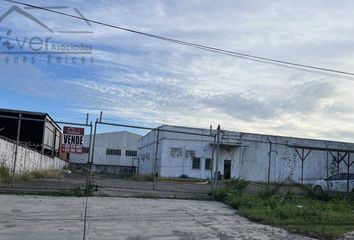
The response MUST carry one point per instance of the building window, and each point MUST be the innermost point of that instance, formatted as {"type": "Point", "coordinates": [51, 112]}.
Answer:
{"type": "Point", "coordinates": [85, 150]}
{"type": "Point", "coordinates": [190, 153]}
{"type": "Point", "coordinates": [176, 152]}
{"type": "Point", "coordinates": [196, 163]}
{"type": "Point", "coordinates": [113, 152]}
{"type": "Point", "coordinates": [131, 153]}
{"type": "Point", "coordinates": [207, 164]}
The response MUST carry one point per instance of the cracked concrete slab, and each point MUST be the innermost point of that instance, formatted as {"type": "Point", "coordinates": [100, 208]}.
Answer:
{"type": "Point", "coordinates": [42, 217]}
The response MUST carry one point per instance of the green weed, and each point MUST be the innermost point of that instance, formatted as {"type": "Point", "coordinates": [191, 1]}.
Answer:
{"type": "Point", "coordinates": [5, 175]}
{"type": "Point", "coordinates": [317, 218]}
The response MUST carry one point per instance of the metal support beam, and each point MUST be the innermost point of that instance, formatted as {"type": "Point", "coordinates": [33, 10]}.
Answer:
{"type": "Point", "coordinates": [348, 163]}
{"type": "Point", "coordinates": [339, 158]}
{"type": "Point", "coordinates": [303, 157]}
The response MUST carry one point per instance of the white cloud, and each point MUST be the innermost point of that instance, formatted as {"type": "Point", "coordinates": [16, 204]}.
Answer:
{"type": "Point", "coordinates": [146, 79]}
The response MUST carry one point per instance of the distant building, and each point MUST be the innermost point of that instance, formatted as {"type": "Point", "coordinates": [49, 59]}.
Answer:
{"type": "Point", "coordinates": [38, 131]}
{"type": "Point", "coordinates": [242, 155]}
{"type": "Point", "coordinates": [114, 152]}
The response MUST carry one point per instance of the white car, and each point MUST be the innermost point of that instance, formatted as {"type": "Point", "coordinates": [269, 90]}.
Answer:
{"type": "Point", "coordinates": [335, 183]}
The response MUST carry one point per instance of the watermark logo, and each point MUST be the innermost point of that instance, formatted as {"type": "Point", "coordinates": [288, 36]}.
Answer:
{"type": "Point", "coordinates": [48, 46]}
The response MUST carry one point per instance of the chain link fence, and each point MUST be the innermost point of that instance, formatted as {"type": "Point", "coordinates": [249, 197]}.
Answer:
{"type": "Point", "coordinates": [31, 157]}
{"type": "Point", "coordinates": [117, 158]}
{"type": "Point", "coordinates": [274, 161]}
{"type": "Point", "coordinates": [127, 158]}
{"type": "Point", "coordinates": [192, 160]}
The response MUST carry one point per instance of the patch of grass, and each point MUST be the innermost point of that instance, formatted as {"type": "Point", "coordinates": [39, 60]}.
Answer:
{"type": "Point", "coordinates": [26, 176]}
{"type": "Point", "coordinates": [237, 185]}
{"type": "Point", "coordinates": [5, 176]}
{"type": "Point", "coordinates": [47, 174]}
{"type": "Point", "coordinates": [316, 218]}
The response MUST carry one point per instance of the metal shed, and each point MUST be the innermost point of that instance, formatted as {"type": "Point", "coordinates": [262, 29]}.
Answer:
{"type": "Point", "coordinates": [36, 130]}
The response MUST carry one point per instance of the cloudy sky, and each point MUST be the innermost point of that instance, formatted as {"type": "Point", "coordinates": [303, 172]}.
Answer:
{"type": "Point", "coordinates": [139, 80]}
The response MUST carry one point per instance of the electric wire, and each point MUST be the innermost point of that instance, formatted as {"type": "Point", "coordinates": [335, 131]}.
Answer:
{"type": "Point", "coordinates": [282, 63]}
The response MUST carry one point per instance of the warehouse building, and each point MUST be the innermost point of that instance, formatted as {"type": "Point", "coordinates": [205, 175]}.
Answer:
{"type": "Point", "coordinates": [173, 151]}
{"type": "Point", "coordinates": [114, 152]}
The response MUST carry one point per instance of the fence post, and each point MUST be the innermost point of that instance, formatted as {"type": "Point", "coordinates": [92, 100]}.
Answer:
{"type": "Point", "coordinates": [348, 171]}
{"type": "Point", "coordinates": [54, 142]}
{"type": "Point", "coordinates": [92, 151]}
{"type": "Point", "coordinates": [156, 152]}
{"type": "Point", "coordinates": [212, 163]}
{"type": "Point", "coordinates": [327, 165]}
{"type": "Point", "coordinates": [138, 166]}
{"type": "Point", "coordinates": [24, 161]}
{"type": "Point", "coordinates": [16, 149]}
{"type": "Point", "coordinates": [269, 162]}
{"type": "Point", "coordinates": [217, 155]}
{"type": "Point", "coordinates": [302, 166]}
{"type": "Point", "coordinates": [89, 158]}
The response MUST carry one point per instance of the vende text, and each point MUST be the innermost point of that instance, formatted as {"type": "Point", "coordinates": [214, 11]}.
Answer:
{"type": "Point", "coordinates": [73, 139]}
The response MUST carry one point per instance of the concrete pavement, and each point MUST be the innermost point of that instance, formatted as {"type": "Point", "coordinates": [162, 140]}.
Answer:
{"type": "Point", "coordinates": [42, 217]}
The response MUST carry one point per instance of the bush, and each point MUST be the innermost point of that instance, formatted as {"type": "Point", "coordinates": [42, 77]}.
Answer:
{"type": "Point", "coordinates": [221, 194]}
{"type": "Point", "coordinates": [232, 193]}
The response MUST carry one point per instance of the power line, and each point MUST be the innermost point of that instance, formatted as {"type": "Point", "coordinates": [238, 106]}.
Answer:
{"type": "Point", "coordinates": [328, 74]}
{"type": "Point", "coordinates": [297, 66]}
